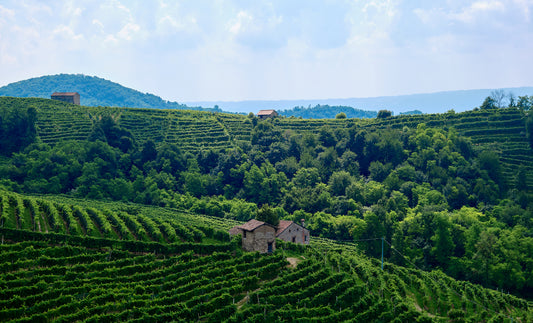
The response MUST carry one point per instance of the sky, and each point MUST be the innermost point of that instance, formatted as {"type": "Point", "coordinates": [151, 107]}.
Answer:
{"type": "Point", "coordinates": [233, 50]}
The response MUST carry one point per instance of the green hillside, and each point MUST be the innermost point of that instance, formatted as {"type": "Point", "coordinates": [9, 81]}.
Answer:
{"type": "Point", "coordinates": [94, 91]}
{"type": "Point", "coordinates": [67, 260]}
{"type": "Point", "coordinates": [122, 214]}
{"type": "Point", "coordinates": [501, 130]}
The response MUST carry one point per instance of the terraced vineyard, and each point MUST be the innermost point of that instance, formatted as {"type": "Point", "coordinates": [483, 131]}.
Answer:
{"type": "Point", "coordinates": [501, 130]}
{"type": "Point", "coordinates": [64, 259]}
{"type": "Point", "coordinates": [237, 126]}
{"type": "Point", "coordinates": [67, 219]}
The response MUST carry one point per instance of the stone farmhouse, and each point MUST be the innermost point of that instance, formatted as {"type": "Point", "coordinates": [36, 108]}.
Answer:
{"type": "Point", "coordinates": [264, 114]}
{"type": "Point", "coordinates": [69, 97]}
{"type": "Point", "coordinates": [256, 236]}
{"type": "Point", "coordinates": [261, 236]}
{"type": "Point", "coordinates": [292, 232]}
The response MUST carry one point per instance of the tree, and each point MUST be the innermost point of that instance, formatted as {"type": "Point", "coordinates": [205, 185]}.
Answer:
{"type": "Point", "coordinates": [264, 134]}
{"type": "Point", "coordinates": [341, 115]}
{"type": "Point", "coordinates": [489, 103]}
{"type": "Point", "coordinates": [326, 137]}
{"type": "Point", "coordinates": [485, 255]}
{"type": "Point", "coordinates": [498, 96]}
{"type": "Point", "coordinates": [267, 214]}
{"type": "Point", "coordinates": [524, 102]}
{"type": "Point", "coordinates": [17, 129]}
{"type": "Point", "coordinates": [512, 100]}
{"type": "Point", "coordinates": [382, 114]}
{"type": "Point", "coordinates": [443, 245]}
{"type": "Point", "coordinates": [149, 152]}
{"type": "Point", "coordinates": [107, 130]}
{"type": "Point", "coordinates": [339, 181]}
{"type": "Point", "coordinates": [489, 161]}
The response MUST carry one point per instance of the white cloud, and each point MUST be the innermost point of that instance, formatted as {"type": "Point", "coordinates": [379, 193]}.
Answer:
{"type": "Point", "coordinates": [241, 23]}
{"type": "Point", "coordinates": [524, 6]}
{"type": "Point", "coordinates": [67, 33]}
{"type": "Point", "coordinates": [471, 13]}
{"type": "Point", "coordinates": [99, 24]}
{"type": "Point", "coordinates": [6, 13]}
{"type": "Point", "coordinates": [129, 31]}
{"type": "Point", "coordinates": [72, 10]}
{"type": "Point", "coordinates": [231, 49]}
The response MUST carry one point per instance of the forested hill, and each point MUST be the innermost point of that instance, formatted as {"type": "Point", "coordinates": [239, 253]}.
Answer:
{"type": "Point", "coordinates": [94, 91]}
{"type": "Point", "coordinates": [327, 112]}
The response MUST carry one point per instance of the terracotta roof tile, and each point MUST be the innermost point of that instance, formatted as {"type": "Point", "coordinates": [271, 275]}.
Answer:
{"type": "Point", "coordinates": [64, 93]}
{"type": "Point", "coordinates": [265, 112]}
{"type": "Point", "coordinates": [283, 224]}
{"type": "Point", "coordinates": [252, 225]}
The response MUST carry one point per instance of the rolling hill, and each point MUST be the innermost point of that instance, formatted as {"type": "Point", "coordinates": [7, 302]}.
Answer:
{"type": "Point", "coordinates": [94, 91]}
{"type": "Point", "coordinates": [501, 130]}
{"type": "Point", "coordinates": [109, 258]}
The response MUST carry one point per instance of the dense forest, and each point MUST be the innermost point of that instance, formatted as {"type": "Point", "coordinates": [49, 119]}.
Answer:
{"type": "Point", "coordinates": [442, 201]}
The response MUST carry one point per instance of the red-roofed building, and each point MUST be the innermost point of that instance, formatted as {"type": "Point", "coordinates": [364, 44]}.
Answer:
{"type": "Point", "coordinates": [256, 236]}
{"type": "Point", "coordinates": [292, 232]}
{"type": "Point", "coordinates": [263, 114]}
{"type": "Point", "coordinates": [70, 97]}
{"type": "Point", "coordinates": [261, 236]}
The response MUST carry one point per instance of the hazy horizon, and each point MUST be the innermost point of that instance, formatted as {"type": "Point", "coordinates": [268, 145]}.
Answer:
{"type": "Point", "coordinates": [272, 50]}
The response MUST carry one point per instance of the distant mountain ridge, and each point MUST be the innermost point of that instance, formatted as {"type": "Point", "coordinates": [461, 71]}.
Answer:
{"type": "Point", "coordinates": [438, 102]}
{"type": "Point", "coordinates": [97, 91]}
{"type": "Point", "coordinates": [94, 91]}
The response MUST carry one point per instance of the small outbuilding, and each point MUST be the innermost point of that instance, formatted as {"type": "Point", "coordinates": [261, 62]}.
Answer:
{"type": "Point", "coordinates": [263, 114]}
{"type": "Point", "coordinates": [69, 97]}
{"type": "Point", "coordinates": [256, 236]}
{"type": "Point", "coordinates": [292, 232]}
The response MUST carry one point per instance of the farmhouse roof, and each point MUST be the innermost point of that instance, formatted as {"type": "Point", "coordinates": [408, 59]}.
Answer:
{"type": "Point", "coordinates": [283, 225]}
{"type": "Point", "coordinates": [265, 112]}
{"type": "Point", "coordinates": [64, 93]}
{"type": "Point", "coordinates": [252, 225]}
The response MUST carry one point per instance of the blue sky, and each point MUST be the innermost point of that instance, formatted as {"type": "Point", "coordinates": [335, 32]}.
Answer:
{"type": "Point", "coordinates": [241, 50]}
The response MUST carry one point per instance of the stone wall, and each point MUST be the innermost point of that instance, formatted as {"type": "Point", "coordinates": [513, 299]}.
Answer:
{"type": "Point", "coordinates": [259, 239]}
{"type": "Point", "coordinates": [295, 233]}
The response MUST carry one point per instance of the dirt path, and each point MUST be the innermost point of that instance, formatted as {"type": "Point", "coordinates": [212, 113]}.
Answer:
{"type": "Point", "coordinates": [293, 262]}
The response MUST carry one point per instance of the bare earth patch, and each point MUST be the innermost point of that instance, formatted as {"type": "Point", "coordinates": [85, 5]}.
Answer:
{"type": "Point", "coordinates": [293, 262]}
